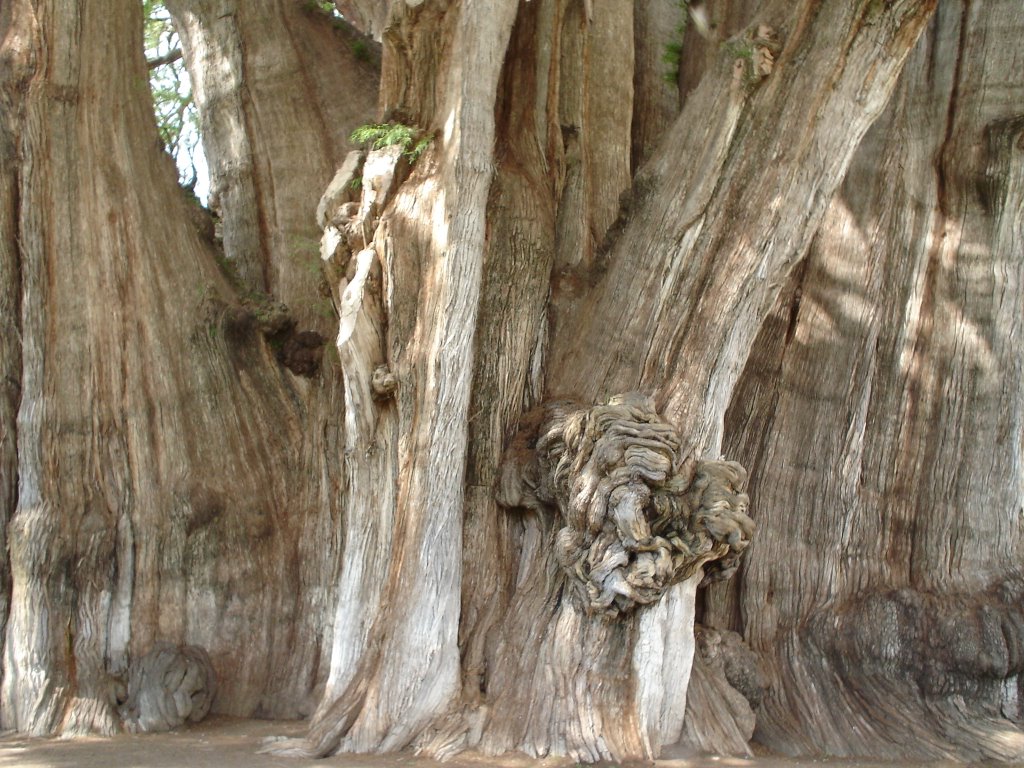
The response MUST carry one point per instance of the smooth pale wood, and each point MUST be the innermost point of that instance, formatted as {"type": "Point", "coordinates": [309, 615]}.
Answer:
{"type": "Point", "coordinates": [880, 415]}
{"type": "Point", "coordinates": [420, 678]}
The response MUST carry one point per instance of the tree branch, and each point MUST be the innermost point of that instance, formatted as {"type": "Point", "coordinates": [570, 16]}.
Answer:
{"type": "Point", "coordinates": [167, 58]}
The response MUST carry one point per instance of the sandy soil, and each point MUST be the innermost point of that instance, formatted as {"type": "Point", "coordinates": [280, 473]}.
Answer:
{"type": "Point", "coordinates": [221, 742]}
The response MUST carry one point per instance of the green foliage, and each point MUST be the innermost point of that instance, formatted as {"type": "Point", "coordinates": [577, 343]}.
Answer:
{"type": "Point", "coordinates": [743, 49]}
{"type": "Point", "coordinates": [177, 118]}
{"type": "Point", "coordinates": [673, 54]}
{"type": "Point", "coordinates": [378, 136]}
{"type": "Point", "coordinates": [361, 50]}
{"type": "Point", "coordinates": [321, 6]}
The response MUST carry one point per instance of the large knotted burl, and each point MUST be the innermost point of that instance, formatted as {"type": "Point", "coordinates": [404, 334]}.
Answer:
{"type": "Point", "coordinates": [637, 518]}
{"type": "Point", "coordinates": [169, 686]}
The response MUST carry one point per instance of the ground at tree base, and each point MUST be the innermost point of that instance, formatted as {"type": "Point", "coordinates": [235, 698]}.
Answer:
{"type": "Point", "coordinates": [222, 742]}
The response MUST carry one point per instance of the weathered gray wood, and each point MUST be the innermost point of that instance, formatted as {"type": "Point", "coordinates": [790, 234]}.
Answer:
{"type": "Point", "coordinates": [334, 543]}
{"type": "Point", "coordinates": [168, 687]}
{"type": "Point", "coordinates": [430, 243]}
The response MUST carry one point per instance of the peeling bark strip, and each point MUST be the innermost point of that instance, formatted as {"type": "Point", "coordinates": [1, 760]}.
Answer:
{"type": "Point", "coordinates": [636, 521]}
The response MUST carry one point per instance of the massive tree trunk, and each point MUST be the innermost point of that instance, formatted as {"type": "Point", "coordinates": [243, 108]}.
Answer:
{"type": "Point", "coordinates": [279, 88]}
{"type": "Point", "coordinates": [880, 416]}
{"type": "Point", "coordinates": [720, 215]}
{"type": "Point", "coordinates": [164, 455]}
{"type": "Point", "coordinates": [329, 530]}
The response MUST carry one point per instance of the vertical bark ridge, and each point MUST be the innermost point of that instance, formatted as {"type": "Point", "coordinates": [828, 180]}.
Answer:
{"type": "Point", "coordinates": [155, 428]}
{"type": "Point", "coordinates": [430, 245]}
{"type": "Point", "coordinates": [517, 266]}
{"type": "Point", "coordinates": [909, 555]}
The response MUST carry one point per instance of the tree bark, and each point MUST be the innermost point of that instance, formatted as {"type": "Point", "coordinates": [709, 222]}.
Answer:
{"type": "Point", "coordinates": [163, 458]}
{"type": "Point", "coordinates": [405, 673]}
{"type": "Point", "coordinates": [18, 63]}
{"type": "Point", "coordinates": [880, 418]}
{"type": "Point", "coordinates": [279, 88]}
{"type": "Point", "coordinates": [687, 219]}
{"type": "Point", "coordinates": [190, 471]}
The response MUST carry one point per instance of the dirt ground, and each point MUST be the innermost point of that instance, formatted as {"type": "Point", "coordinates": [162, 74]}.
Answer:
{"type": "Point", "coordinates": [221, 742]}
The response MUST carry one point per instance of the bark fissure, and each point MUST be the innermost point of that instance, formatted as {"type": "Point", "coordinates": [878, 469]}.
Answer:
{"type": "Point", "coordinates": [856, 665]}
{"type": "Point", "coordinates": [327, 530]}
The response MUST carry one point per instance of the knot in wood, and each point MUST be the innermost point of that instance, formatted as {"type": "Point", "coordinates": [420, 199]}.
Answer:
{"type": "Point", "coordinates": [167, 687]}
{"type": "Point", "coordinates": [755, 52]}
{"type": "Point", "coordinates": [383, 382]}
{"type": "Point", "coordinates": [634, 521]}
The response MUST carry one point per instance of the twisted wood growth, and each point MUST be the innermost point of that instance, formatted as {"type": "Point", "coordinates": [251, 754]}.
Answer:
{"type": "Point", "coordinates": [168, 687]}
{"type": "Point", "coordinates": [334, 540]}
{"type": "Point", "coordinates": [636, 519]}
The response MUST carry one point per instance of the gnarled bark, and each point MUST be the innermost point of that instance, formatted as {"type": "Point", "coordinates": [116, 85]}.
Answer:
{"type": "Point", "coordinates": [345, 526]}
{"type": "Point", "coordinates": [701, 197]}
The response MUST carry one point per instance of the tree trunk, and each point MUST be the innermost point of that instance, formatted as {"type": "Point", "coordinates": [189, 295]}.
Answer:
{"type": "Point", "coordinates": [880, 416]}
{"type": "Point", "coordinates": [164, 456]}
{"type": "Point", "coordinates": [280, 88]}
{"type": "Point", "coordinates": [401, 667]}
{"type": "Point", "coordinates": [18, 63]}
{"type": "Point", "coordinates": [193, 467]}
{"type": "Point", "coordinates": [637, 680]}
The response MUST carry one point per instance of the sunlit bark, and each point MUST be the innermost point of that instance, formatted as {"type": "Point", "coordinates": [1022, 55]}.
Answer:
{"type": "Point", "coordinates": [891, 616]}
{"type": "Point", "coordinates": [325, 522]}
